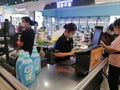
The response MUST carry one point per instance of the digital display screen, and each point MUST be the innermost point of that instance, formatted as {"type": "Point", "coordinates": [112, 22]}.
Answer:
{"type": "Point", "coordinates": [96, 37]}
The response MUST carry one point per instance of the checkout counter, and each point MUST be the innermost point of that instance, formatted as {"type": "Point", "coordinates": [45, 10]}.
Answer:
{"type": "Point", "coordinates": [88, 65]}
{"type": "Point", "coordinates": [86, 73]}
{"type": "Point", "coordinates": [63, 77]}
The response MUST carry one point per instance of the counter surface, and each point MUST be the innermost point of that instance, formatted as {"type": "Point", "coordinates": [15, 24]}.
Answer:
{"type": "Point", "coordinates": [54, 77]}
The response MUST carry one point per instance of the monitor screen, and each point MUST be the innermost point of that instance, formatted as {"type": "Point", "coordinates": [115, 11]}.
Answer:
{"type": "Point", "coordinates": [96, 37]}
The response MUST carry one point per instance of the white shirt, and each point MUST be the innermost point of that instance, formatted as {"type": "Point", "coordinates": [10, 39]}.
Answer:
{"type": "Point", "coordinates": [114, 59]}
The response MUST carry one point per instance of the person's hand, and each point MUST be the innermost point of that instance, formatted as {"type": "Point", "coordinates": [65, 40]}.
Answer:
{"type": "Point", "coordinates": [102, 43]}
{"type": "Point", "coordinates": [71, 53]}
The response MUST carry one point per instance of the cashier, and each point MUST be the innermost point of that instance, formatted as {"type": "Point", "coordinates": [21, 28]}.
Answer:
{"type": "Point", "coordinates": [64, 44]}
{"type": "Point", "coordinates": [26, 40]}
{"type": "Point", "coordinates": [114, 59]}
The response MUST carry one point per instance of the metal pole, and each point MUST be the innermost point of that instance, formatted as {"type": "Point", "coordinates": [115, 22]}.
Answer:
{"type": "Point", "coordinates": [6, 28]}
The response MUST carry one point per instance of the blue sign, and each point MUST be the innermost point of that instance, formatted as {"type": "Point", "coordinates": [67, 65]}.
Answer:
{"type": "Point", "coordinates": [65, 3]}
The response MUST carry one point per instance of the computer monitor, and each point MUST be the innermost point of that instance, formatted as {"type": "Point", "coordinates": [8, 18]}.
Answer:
{"type": "Point", "coordinates": [96, 37]}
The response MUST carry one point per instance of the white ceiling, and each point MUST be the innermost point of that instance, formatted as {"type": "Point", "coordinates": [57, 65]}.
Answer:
{"type": "Point", "coordinates": [38, 5]}
{"type": "Point", "coordinates": [105, 1]}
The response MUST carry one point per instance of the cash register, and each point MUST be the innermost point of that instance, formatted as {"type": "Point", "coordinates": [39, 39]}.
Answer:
{"type": "Point", "coordinates": [87, 59]}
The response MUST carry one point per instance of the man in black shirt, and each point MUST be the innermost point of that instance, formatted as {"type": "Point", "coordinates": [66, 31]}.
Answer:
{"type": "Point", "coordinates": [64, 45]}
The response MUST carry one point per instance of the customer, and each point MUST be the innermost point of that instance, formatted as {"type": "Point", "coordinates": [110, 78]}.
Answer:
{"type": "Point", "coordinates": [114, 59]}
{"type": "Point", "coordinates": [64, 45]}
{"type": "Point", "coordinates": [27, 37]}
{"type": "Point", "coordinates": [109, 35]}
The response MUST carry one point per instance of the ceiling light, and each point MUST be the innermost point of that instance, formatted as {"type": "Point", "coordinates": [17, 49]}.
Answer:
{"type": "Point", "coordinates": [46, 84]}
{"type": "Point", "coordinates": [16, 2]}
{"type": "Point", "coordinates": [23, 0]}
{"type": "Point", "coordinates": [6, 4]}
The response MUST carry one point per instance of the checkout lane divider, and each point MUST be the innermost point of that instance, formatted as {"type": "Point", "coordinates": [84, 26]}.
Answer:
{"type": "Point", "coordinates": [91, 75]}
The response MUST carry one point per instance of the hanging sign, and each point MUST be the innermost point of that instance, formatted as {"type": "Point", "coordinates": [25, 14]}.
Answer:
{"type": "Point", "coordinates": [65, 3]}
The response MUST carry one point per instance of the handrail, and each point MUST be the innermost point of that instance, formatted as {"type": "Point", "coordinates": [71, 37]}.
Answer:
{"type": "Point", "coordinates": [12, 80]}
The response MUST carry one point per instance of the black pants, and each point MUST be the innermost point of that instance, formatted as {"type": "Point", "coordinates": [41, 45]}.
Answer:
{"type": "Point", "coordinates": [113, 77]}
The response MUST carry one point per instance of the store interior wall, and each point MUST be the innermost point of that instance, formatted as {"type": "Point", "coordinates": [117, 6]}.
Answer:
{"type": "Point", "coordinates": [31, 15]}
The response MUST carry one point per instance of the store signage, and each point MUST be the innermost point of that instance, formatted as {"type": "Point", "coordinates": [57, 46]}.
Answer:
{"type": "Point", "coordinates": [65, 3]}
{"type": "Point", "coordinates": [20, 9]}
{"type": "Point", "coordinates": [8, 9]}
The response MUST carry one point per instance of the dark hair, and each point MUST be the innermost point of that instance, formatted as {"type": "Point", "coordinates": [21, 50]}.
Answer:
{"type": "Point", "coordinates": [28, 20]}
{"type": "Point", "coordinates": [6, 20]}
{"type": "Point", "coordinates": [70, 27]}
{"type": "Point", "coordinates": [99, 27]}
{"type": "Point", "coordinates": [82, 31]}
{"type": "Point", "coordinates": [111, 27]}
{"type": "Point", "coordinates": [117, 23]}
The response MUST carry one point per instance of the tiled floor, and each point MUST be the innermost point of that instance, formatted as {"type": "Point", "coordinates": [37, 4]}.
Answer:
{"type": "Point", "coordinates": [104, 85]}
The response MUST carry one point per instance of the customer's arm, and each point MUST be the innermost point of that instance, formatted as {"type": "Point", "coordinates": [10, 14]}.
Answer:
{"type": "Point", "coordinates": [108, 48]}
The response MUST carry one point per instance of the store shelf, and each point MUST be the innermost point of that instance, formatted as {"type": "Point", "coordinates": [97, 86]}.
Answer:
{"type": "Point", "coordinates": [2, 38]}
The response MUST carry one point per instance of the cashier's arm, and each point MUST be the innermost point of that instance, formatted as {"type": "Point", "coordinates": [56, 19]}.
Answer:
{"type": "Point", "coordinates": [108, 48]}
{"type": "Point", "coordinates": [61, 54]}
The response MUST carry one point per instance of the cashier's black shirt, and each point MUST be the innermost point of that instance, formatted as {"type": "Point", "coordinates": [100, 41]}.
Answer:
{"type": "Point", "coordinates": [63, 45]}
{"type": "Point", "coordinates": [27, 37]}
